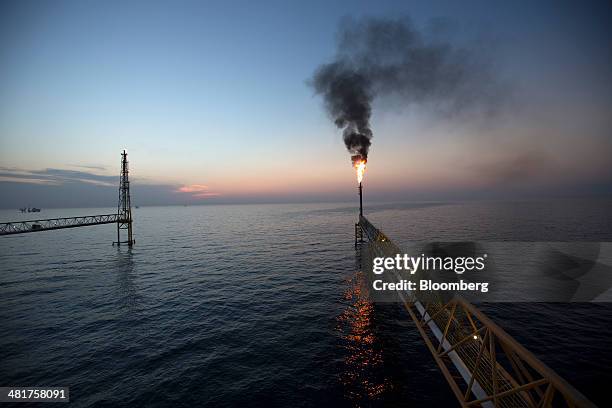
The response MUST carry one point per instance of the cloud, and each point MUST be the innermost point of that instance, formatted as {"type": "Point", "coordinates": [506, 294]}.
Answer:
{"type": "Point", "coordinates": [194, 188]}
{"type": "Point", "coordinates": [197, 191]}
{"type": "Point", "coordinates": [101, 168]}
{"type": "Point", "coordinates": [22, 179]}
{"type": "Point", "coordinates": [71, 188]}
{"type": "Point", "coordinates": [54, 177]}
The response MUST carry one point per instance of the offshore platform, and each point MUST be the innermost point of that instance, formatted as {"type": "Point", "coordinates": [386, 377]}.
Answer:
{"type": "Point", "coordinates": [483, 365]}
{"type": "Point", "coordinates": [123, 216]}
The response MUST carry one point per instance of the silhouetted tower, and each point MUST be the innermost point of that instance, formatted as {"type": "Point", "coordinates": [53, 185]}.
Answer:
{"type": "Point", "coordinates": [124, 208]}
{"type": "Point", "coordinates": [360, 201]}
{"type": "Point", "coordinates": [358, 227]}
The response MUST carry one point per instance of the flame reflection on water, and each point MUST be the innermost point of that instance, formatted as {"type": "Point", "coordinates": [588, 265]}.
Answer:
{"type": "Point", "coordinates": [362, 375]}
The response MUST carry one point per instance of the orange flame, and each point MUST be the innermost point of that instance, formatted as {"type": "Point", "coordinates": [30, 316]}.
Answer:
{"type": "Point", "coordinates": [360, 166]}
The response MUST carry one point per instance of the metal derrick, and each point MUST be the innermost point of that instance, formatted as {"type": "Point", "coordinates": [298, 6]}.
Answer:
{"type": "Point", "coordinates": [123, 217]}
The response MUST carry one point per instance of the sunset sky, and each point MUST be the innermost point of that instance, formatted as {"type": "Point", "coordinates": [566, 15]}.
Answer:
{"type": "Point", "coordinates": [213, 104]}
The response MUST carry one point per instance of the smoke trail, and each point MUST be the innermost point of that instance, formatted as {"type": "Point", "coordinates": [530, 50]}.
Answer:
{"type": "Point", "coordinates": [348, 97]}
{"type": "Point", "coordinates": [381, 57]}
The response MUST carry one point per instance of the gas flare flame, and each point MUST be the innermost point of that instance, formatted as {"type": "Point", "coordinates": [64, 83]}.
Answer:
{"type": "Point", "coordinates": [360, 166]}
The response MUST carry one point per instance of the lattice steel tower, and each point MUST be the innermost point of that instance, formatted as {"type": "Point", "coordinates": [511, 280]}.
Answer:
{"type": "Point", "coordinates": [124, 208]}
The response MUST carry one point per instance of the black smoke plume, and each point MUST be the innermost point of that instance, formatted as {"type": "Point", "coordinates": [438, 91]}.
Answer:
{"type": "Point", "coordinates": [348, 97]}
{"type": "Point", "coordinates": [390, 57]}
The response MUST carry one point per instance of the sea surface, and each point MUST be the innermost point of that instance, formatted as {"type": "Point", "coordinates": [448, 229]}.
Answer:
{"type": "Point", "coordinates": [264, 305]}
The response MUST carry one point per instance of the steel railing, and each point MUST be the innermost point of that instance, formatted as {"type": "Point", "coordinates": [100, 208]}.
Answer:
{"type": "Point", "coordinates": [484, 365]}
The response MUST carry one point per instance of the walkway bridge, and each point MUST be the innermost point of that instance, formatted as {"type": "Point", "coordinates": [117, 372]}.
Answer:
{"type": "Point", "coordinates": [21, 227]}
{"type": "Point", "coordinates": [484, 365]}
{"type": "Point", "coordinates": [123, 217]}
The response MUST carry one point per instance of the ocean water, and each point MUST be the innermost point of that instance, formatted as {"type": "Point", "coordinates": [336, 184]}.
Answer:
{"type": "Point", "coordinates": [263, 305]}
